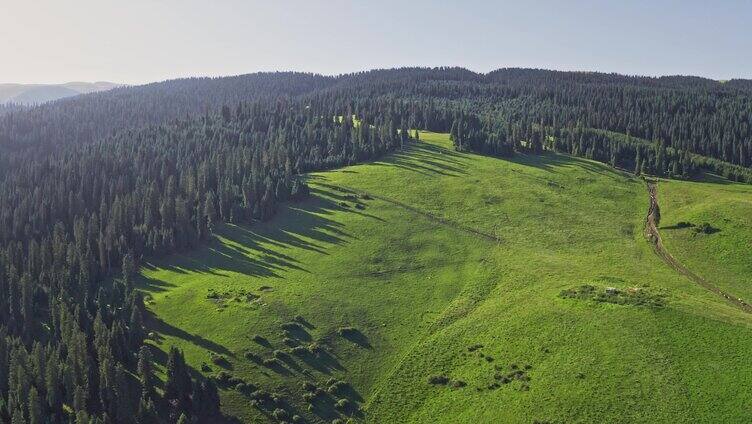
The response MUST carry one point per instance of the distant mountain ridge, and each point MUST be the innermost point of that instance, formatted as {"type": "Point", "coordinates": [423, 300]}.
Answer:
{"type": "Point", "coordinates": [33, 94]}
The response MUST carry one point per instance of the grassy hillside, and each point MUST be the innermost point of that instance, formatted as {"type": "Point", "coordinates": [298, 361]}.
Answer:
{"type": "Point", "coordinates": [439, 299]}
{"type": "Point", "coordinates": [720, 254]}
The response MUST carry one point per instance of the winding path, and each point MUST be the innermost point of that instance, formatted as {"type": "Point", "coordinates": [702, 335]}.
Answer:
{"type": "Point", "coordinates": [651, 232]}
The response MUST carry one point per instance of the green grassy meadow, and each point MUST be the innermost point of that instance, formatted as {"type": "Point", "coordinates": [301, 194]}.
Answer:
{"type": "Point", "coordinates": [420, 295]}
{"type": "Point", "coordinates": [723, 256]}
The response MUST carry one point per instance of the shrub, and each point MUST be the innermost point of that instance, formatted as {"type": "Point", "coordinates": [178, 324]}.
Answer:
{"type": "Point", "coordinates": [344, 204]}
{"type": "Point", "coordinates": [233, 380]}
{"type": "Point", "coordinates": [260, 339]}
{"type": "Point", "coordinates": [223, 377]}
{"type": "Point", "coordinates": [337, 387]}
{"type": "Point", "coordinates": [309, 397]}
{"type": "Point", "coordinates": [205, 367]}
{"type": "Point", "coordinates": [458, 384]}
{"type": "Point", "coordinates": [299, 350]}
{"type": "Point", "coordinates": [314, 348]}
{"type": "Point", "coordinates": [292, 326]}
{"type": "Point", "coordinates": [360, 206]}
{"type": "Point", "coordinates": [438, 379]}
{"type": "Point", "coordinates": [290, 342]}
{"type": "Point", "coordinates": [279, 414]}
{"type": "Point", "coordinates": [342, 404]}
{"type": "Point", "coordinates": [348, 331]}
{"type": "Point", "coordinates": [277, 398]}
{"type": "Point", "coordinates": [705, 228]}
{"type": "Point", "coordinates": [684, 224]}
{"type": "Point", "coordinates": [474, 347]}
{"type": "Point", "coordinates": [631, 296]}
{"type": "Point", "coordinates": [309, 387]}
{"type": "Point", "coordinates": [252, 357]}
{"type": "Point", "coordinates": [219, 359]}
{"type": "Point", "coordinates": [270, 362]}
{"type": "Point", "coordinates": [297, 419]}
{"type": "Point", "coordinates": [279, 354]}
{"type": "Point", "coordinates": [245, 388]}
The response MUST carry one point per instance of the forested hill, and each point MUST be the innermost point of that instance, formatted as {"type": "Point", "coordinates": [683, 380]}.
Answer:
{"type": "Point", "coordinates": [693, 114]}
{"type": "Point", "coordinates": [92, 184]}
{"type": "Point", "coordinates": [90, 117]}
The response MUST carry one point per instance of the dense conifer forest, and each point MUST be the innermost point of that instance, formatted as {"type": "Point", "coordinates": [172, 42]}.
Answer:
{"type": "Point", "coordinates": [91, 186]}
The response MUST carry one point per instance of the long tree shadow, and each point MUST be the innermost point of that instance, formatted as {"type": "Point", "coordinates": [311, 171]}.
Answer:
{"type": "Point", "coordinates": [155, 324]}
{"type": "Point", "coordinates": [152, 285]}
{"type": "Point", "coordinates": [257, 249]}
{"type": "Point", "coordinates": [426, 159]}
{"type": "Point", "coordinates": [554, 162]}
{"type": "Point", "coordinates": [322, 361]}
{"type": "Point", "coordinates": [356, 336]}
{"type": "Point", "coordinates": [317, 188]}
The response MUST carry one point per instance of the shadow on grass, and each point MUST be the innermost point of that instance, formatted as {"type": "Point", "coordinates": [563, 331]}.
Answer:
{"type": "Point", "coordinates": [278, 367]}
{"type": "Point", "coordinates": [298, 332]}
{"type": "Point", "coordinates": [322, 361]}
{"type": "Point", "coordinates": [155, 324]}
{"type": "Point", "coordinates": [553, 162]}
{"type": "Point", "coordinates": [426, 159]}
{"type": "Point", "coordinates": [256, 249]}
{"type": "Point", "coordinates": [356, 336]}
{"type": "Point", "coordinates": [325, 407]}
{"type": "Point", "coordinates": [676, 227]}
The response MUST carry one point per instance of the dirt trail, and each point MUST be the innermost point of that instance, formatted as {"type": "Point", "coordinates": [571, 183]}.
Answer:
{"type": "Point", "coordinates": [651, 232]}
{"type": "Point", "coordinates": [428, 215]}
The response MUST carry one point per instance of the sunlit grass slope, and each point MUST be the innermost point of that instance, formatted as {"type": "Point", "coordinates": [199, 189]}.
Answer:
{"type": "Point", "coordinates": [723, 256]}
{"type": "Point", "coordinates": [401, 290]}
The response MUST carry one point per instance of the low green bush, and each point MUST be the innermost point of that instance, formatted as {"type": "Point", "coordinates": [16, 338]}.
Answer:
{"type": "Point", "coordinates": [280, 414]}
{"type": "Point", "coordinates": [438, 380]}
{"type": "Point", "coordinates": [635, 296]}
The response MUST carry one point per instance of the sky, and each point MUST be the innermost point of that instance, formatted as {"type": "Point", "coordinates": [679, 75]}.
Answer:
{"type": "Point", "coordinates": [139, 41]}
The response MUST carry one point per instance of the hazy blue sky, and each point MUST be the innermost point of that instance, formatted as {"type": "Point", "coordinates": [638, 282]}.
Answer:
{"type": "Point", "coordinates": [137, 41]}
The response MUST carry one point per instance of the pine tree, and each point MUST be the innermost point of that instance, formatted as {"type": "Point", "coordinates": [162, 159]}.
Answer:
{"type": "Point", "coordinates": [145, 372]}
{"type": "Point", "coordinates": [147, 412]}
{"type": "Point", "coordinates": [36, 413]}
{"type": "Point", "coordinates": [129, 269]}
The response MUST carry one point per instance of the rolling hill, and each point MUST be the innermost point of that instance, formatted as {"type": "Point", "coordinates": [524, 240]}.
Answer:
{"type": "Point", "coordinates": [34, 94]}
{"type": "Point", "coordinates": [437, 286]}
{"type": "Point", "coordinates": [277, 247]}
